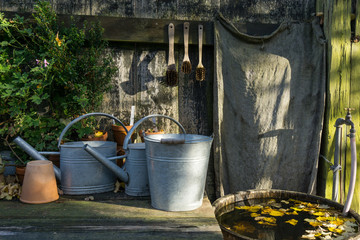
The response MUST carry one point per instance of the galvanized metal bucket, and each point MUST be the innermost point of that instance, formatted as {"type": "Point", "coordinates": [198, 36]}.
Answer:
{"type": "Point", "coordinates": [177, 168]}
{"type": "Point", "coordinates": [136, 163]}
{"type": "Point", "coordinates": [81, 173]}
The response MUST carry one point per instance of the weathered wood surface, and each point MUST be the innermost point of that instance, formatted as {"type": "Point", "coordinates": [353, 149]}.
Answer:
{"type": "Point", "coordinates": [139, 30]}
{"type": "Point", "coordinates": [343, 92]}
{"type": "Point", "coordinates": [265, 11]}
{"type": "Point", "coordinates": [109, 216]}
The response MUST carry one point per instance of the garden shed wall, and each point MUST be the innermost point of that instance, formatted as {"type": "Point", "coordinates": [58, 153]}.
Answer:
{"type": "Point", "coordinates": [142, 63]}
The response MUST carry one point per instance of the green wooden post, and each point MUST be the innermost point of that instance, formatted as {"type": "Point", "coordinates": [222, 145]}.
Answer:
{"type": "Point", "coordinates": [355, 103]}
{"type": "Point", "coordinates": [338, 32]}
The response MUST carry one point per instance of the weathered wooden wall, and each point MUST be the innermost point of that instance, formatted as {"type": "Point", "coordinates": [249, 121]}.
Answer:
{"type": "Point", "coordinates": [266, 11]}
{"type": "Point", "coordinates": [142, 64]}
{"type": "Point", "coordinates": [341, 25]}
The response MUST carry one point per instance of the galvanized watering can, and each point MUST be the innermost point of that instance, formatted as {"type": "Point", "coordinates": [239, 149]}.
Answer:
{"type": "Point", "coordinates": [79, 172]}
{"type": "Point", "coordinates": [135, 164]}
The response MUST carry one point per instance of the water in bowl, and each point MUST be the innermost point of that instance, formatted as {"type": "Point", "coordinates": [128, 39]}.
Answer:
{"type": "Point", "coordinates": [286, 219]}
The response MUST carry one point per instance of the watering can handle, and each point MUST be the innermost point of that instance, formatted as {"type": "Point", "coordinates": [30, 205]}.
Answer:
{"type": "Point", "coordinates": [127, 138]}
{"type": "Point", "coordinates": [85, 116]}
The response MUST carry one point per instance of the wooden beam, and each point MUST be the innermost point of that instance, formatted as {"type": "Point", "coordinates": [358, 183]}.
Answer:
{"type": "Point", "coordinates": [141, 30]}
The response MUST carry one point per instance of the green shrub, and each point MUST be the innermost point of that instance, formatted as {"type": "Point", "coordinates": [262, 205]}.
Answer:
{"type": "Point", "coordinates": [49, 74]}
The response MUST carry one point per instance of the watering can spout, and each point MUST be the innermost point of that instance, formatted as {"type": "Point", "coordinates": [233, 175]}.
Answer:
{"type": "Point", "coordinates": [119, 172]}
{"type": "Point", "coordinates": [35, 154]}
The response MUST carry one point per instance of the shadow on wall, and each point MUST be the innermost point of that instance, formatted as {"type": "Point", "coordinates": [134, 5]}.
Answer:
{"type": "Point", "coordinates": [140, 74]}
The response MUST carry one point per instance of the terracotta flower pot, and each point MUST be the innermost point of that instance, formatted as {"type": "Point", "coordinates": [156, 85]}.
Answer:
{"type": "Point", "coordinates": [120, 134]}
{"type": "Point", "coordinates": [39, 183]}
{"type": "Point", "coordinates": [143, 134]}
{"type": "Point", "coordinates": [93, 138]}
{"type": "Point", "coordinates": [20, 172]}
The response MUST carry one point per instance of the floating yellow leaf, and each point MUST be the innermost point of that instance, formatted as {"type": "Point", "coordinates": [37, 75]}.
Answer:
{"type": "Point", "coordinates": [292, 221]}
{"type": "Point", "coordinates": [276, 213]}
{"type": "Point", "coordinates": [318, 213]}
{"type": "Point", "coordinates": [315, 224]}
{"type": "Point", "coordinates": [292, 213]}
{"type": "Point", "coordinates": [335, 230]}
{"type": "Point", "coordinates": [250, 208]}
{"type": "Point", "coordinates": [255, 208]}
{"type": "Point", "coordinates": [259, 218]}
{"type": "Point", "coordinates": [270, 219]}
{"type": "Point", "coordinates": [308, 236]}
{"type": "Point", "coordinates": [297, 209]}
{"type": "Point", "coordinates": [337, 222]}
{"type": "Point", "coordinates": [254, 215]}
{"type": "Point", "coordinates": [242, 207]}
{"type": "Point", "coordinates": [271, 201]}
{"type": "Point", "coordinates": [322, 219]}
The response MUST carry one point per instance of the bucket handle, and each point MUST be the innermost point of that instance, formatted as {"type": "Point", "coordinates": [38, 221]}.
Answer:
{"type": "Point", "coordinates": [85, 116]}
{"type": "Point", "coordinates": [168, 141]}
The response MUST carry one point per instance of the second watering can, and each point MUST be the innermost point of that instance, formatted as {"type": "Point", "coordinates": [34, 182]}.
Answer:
{"type": "Point", "coordinates": [80, 173]}
{"type": "Point", "coordinates": [136, 180]}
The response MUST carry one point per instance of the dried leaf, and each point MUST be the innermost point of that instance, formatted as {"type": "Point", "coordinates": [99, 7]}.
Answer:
{"type": "Point", "coordinates": [254, 215]}
{"type": "Point", "coordinates": [117, 187]}
{"type": "Point", "coordinates": [292, 213]}
{"type": "Point", "coordinates": [318, 213]}
{"type": "Point", "coordinates": [309, 236]}
{"type": "Point", "coordinates": [272, 212]}
{"type": "Point", "coordinates": [292, 221]}
{"type": "Point", "coordinates": [253, 209]}
{"type": "Point", "coordinates": [270, 219]}
{"type": "Point", "coordinates": [297, 209]}
{"type": "Point", "coordinates": [335, 230]}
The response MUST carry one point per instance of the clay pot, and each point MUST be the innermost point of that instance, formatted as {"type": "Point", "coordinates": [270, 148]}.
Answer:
{"type": "Point", "coordinates": [142, 134]}
{"type": "Point", "coordinates": [20, 172]}
{"type": "Point", "coordinates": [120, 134]}
{"type": "Point", "coordinates": [39, 184]}
{"type": "Point", "coordinates": [92, 138]}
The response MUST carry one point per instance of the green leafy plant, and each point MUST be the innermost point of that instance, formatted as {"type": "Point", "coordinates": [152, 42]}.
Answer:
{"type": "Point", "coordinates": [49, 74]}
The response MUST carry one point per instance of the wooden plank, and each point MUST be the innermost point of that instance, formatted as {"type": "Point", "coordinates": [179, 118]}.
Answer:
{"type": "Point", "coordinates": [110, 215]}
{"type": "Point", "coordinates": [141, 30]}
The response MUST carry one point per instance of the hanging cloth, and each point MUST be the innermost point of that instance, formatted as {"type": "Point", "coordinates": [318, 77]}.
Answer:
{"type": "Point", "coordinates": [269, 106]}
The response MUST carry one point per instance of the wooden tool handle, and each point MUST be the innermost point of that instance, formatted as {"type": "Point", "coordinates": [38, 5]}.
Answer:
{"type": "Point", "coordinates": [186, 37]}
{"type": "Point", "coordinates": [171, 32]}
{"type": "Point", "coordinates": [200, 30]}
